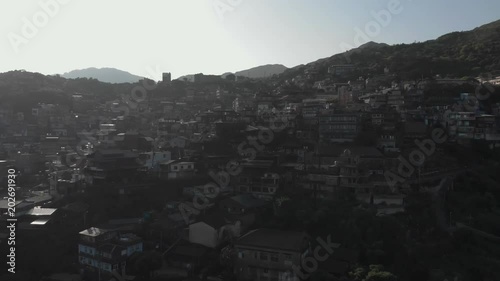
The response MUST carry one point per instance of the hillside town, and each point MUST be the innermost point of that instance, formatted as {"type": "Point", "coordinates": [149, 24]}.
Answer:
{"type": "Point", "coordinates": [316, 177]}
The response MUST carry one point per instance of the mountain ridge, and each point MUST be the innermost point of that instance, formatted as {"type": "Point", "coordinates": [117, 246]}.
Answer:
{"type": "Point", "coordinates": [261, 71]}
{"type": "Point", "coordinates": [459, 53]}
{"type": "Point", "coordinates": [105, 74]}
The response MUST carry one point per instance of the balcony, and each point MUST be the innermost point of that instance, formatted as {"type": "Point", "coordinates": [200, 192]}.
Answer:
{"type": "Point", "coordinates": [280, 265]}
{"type": "Point", "coordinates": [466, 129]}
{"type": "Point", "coordinates": [356, 185]}
{"type": "Point", "coordinates": [95, 169]}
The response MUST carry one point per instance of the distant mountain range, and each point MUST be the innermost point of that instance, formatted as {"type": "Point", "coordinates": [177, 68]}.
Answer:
{"type": "Point", "coordinates": [113, 75]}
{"type": "Point", "coordinates": [108, 75]}
{"type": "Point", "coordinates": [465, 53]}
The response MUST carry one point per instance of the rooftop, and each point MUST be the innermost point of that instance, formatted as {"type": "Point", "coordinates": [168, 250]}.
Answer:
{"type": "Point", "coordinates": [40, 222]}
{"type": "Point", "coordinates": [93, 231]}
{"type": "Point", "coordinates": [38, 199]}
{"type": "Point", "coordinates": [247, 200]}
{"type": "Point", "coordinates": [215, 220]}
{"type": "Point", "coordinates": [128, 238]}
{"type": "Point", "coordinates": [37, 211]}
{"type": "Point", "coordinates": [337, 150]}
{"type": "Point", "coordinates": [274, 239]}
{"type": "Point", "coordinates": [77, 207]}
{"type": "Point", "coordinates": [4, 204]}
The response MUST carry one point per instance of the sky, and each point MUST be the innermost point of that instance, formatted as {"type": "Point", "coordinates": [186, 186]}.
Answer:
{"type": "Point", "coordinates": [149, 37]}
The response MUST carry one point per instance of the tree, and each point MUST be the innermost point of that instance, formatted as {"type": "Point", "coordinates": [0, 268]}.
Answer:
{"type": "Point", "coordinates": [145, 263]}
{"type": "Point", "coordinates": [375, 273]}
{"type": "Point", "coordinates": [358, 274]}
{"type": "Point", "coordinates": [380, 276]}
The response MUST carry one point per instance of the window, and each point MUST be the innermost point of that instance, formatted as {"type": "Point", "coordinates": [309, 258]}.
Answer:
{"type": "Point", "coordinates": [256, 189]}
{"type": "Point", "coordinates": [106, 266]}
{"type": "Point", "coordinates": [82, 260]}
{"type": "Point", "coordinates": [274, 258]}
{"type": "Point", "coordinates": [263, 256]}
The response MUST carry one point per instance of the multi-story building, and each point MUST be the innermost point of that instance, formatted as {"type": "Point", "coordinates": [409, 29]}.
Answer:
{"type": "Point", "coordinates": [337, 127]}
{"type": "Point", "coordinates": [266, 254]}
{"type": "Point", "coordinates": [469, 125]}
{"type": "Point", "coordinates": [323, 184]}
{"type": "Point", "coordinates": [111, 165]}
{"type": "Point", "coordinates": [166, 77]}
{"type": "Point", "coordinates": [356, 166]}
{"type": "Point", "coordinates": [257, 179]}
{"type": "Point", "coordinates": [176, 169]}
{"type": "Point", "coordinates": [151, 160]}
{"type": "Point", "coordinates": [413, 98]}
{"type": "Point", "coordinates": [485, 128]}
{"type": "Point", "coordinates": [351, 170]}
{"type": "Point", "coordinates": [243, 101]}
{"type": "Point", "coordinates": [310, 109]}
{"type": "Point", "coordinates": [345, 95]}
{"type": "Point", "coordinates": [461, 124]}
{"type": "Point", "coordinates": [202, 78]}
{"type": "Point", "coordinates": [377, 118]}
{"type": "Point", "coordinates": [380, 117]}
{"type": "Point", "coordinates": [101, 251]}
{"type": "Point", "coordinates": [341, 69]}
{"type": "Point", "coordinates": [165, 126]}
{"type": "Point", "coordinates": [395, 99]}
{"type": "Point", "coordinates": [387, 143]}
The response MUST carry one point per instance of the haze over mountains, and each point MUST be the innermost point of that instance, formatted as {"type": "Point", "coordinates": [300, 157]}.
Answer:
{"type": "Point", "coordinates": [109, 75]}
{"type": "Point", "coordinates": [262, 71]}
{"type": "Point", "coordinates": [113, 75]}
{"type": "Point", "coordinates": [471, 52]}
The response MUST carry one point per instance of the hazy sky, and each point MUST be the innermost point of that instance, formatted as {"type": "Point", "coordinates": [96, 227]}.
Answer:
{"type": "Point", "coordinates": [214, 36]}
